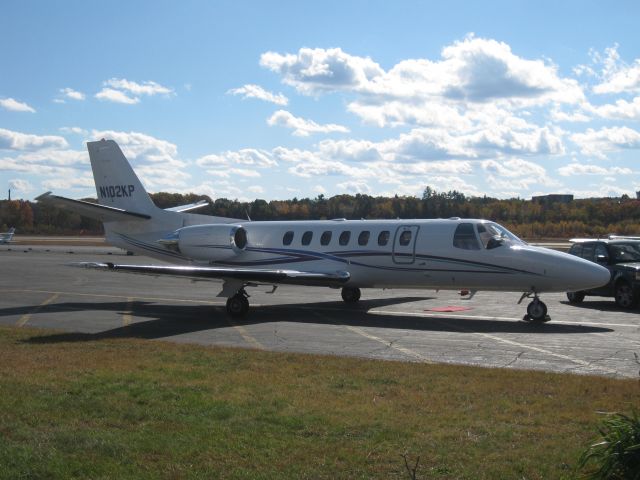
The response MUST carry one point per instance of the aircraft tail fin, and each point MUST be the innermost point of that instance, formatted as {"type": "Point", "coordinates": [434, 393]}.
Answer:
{"type": "Point", "coordinates": [117, 185]}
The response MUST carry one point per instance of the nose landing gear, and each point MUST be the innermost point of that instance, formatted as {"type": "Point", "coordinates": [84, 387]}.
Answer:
{"type": "Point", "coordinates": [536, 310]}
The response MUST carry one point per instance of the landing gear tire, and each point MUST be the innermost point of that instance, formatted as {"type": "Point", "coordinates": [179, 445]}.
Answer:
{"type": "Point", "coordinates": [625, 296]}
{"type": "Point", "coordinates": [238, 305]}
{"type": "Point", "coordinates": [575, 297]}
{"type": "Point", "coordinates": [537, 312]}
{"type": "Point", "coordinates": [350, 294]}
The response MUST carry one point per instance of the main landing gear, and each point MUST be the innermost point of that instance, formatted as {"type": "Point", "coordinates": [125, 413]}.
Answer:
{"type": "Point", "coordinates": [536, 310]}
{"type": "Point", "coordinates": [350, 294]}
{"type": "Point", "coordinates": [238, 305]}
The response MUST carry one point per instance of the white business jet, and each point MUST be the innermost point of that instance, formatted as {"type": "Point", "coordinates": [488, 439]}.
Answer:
{"type": "Point", "coordinates": [453, 254]}
{"type": "Point", "coordinates": [7, 236]}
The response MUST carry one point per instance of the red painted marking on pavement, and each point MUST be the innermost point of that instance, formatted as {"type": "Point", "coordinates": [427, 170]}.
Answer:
{"type": "Point", "coordinates": [448, 308]}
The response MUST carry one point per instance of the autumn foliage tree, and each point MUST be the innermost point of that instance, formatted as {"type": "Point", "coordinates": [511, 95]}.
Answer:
{"type": "Point", "coordinates": [526, 218]}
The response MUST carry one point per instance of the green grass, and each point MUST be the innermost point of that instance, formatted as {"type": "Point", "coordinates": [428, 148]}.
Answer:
{"type": "Point", "coordinates": [148, 409]}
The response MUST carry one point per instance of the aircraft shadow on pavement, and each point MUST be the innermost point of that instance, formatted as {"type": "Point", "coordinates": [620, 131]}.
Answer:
{"type": "Point", "coordinates": [603, 305]}
{"type": "Point", "coordinates": [162, 321]}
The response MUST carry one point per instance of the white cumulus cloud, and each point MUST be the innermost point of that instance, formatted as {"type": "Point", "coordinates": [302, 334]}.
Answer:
{"type": "Point", "coordinates": [142, 147]}
{"type": "Point", "coordinates": [20, 185]}
{"type": "Point", "coordinates": [302, 127]}
{"type": "Point", "coordinates": [247, 156]}
{"type": "Point", "coordinates": [620, 110]}
{"type": "Point", "coordinates": [355, 186]}
{"type": "Point", "coordinates": [149, 88]}
{"type": "Point", "coordinates": [312, 71]}
{"type": "Point", "coordinates": [607, 139]}
{"type": "Point", "coordinates": [256, 91]}
{"type": "Point", "coordinates": [473, 70]}
{"type": "Point", "coordinates": [116, 96]}
{"type": "Point", "coordinates": [15, 106]}
{"type": "Point", "coordinates": [69, 93]}
{"type": "Point", "coordinates": [585, 169]}
{"type": "Point", "coordinates": [121, 90]}
{"type": "Point", "coordinates": [11, 140]}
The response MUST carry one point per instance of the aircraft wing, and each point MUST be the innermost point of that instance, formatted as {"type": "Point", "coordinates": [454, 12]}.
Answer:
{"type": "Point", "coordinates": [188, 208]}
{"type": "Point", "coordinates": [92, 210]}
{"type": "Point", "coordinates": [259, 276]}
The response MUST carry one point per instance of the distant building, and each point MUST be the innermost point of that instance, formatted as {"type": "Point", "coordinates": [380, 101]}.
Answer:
{"type": "Point", "coordinates": [638, 195]}
{"type": "Point", "coordinates": [553, 198]}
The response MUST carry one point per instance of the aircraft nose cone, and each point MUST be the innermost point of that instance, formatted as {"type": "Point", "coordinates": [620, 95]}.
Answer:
{"type": "Point", "coordinates": [592, 275]}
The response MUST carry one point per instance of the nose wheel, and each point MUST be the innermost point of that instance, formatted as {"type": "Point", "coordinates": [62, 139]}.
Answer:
{"type": "Point", "coordinates": [536, 310]}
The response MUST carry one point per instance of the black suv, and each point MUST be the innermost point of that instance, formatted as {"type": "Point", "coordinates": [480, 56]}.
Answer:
{"type": "Point", "coordinates": [622, 257]}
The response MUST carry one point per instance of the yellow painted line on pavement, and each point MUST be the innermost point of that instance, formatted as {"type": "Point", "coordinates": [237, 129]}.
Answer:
{"type": "Point", "coordinates": [246, 336]}
{"type": "Point", "coordinates": [389, 344]}
{"type": "Point", "coordinates": [386, 343]}
{"type": "Point", "coordinates": [127, 314]}
{"type": "Point", "coordinates": [101, 295]}
{"type": "Point", "coordinates": [27, 316]}
{"type": "Point", "coordinates": [568, 358]}
{"type": "Point", "coordinates": [486, 317]}
{"type": "Point", "coordinates": [438, 318]}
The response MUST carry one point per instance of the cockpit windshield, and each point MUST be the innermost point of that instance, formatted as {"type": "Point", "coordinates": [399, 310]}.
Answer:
{"type": "Point", "coordinates": [493, 235]}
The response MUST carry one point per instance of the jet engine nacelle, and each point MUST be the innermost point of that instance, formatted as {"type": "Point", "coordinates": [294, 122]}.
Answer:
{"type": "Point", "coordinates": [208, 242]}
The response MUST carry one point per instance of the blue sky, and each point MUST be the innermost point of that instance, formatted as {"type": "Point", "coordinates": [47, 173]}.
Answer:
{"type": "Point", "coordinates": [280, 99]}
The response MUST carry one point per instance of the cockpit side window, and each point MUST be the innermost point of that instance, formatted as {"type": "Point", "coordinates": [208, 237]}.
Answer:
{"type": "Point", "coordinates": [493, 235]}
{"type": "Point", "coordinates": [484, 234]}
{"type": "Point", "coordinates": [465, 237]}
{"type": "Point", "coordinates": [490, 237]}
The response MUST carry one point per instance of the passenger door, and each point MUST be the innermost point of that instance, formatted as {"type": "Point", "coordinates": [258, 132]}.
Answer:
{"type": "Point", "coordinates": [404, 244]}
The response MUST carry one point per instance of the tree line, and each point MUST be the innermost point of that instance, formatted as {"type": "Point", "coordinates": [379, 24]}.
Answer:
{"type": "Point", "coordinates": [526, 218]}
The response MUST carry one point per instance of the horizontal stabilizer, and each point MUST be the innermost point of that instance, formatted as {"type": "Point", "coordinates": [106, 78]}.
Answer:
{"type": "Point", "coordinates": [259, 276]}
{"type": "Point", "coordinates": [92, 210]}
{"type": "Point", "coordinates": [189, 207]}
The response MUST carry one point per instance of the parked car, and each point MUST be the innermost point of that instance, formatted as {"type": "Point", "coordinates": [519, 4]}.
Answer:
{"type": "Point", "coordinates": [621, 255]}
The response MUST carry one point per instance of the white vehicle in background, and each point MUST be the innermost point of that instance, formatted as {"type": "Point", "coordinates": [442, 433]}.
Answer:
{"type": "Point", "coordinates": [453, 254]}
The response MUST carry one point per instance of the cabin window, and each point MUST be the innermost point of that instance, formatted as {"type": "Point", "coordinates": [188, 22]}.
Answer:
{"type": "Point", "coordinates": [288, 238]}
{"type": "Point", "coordinates": [465, 237]}
{"type": "Point", "coordinates": [344, 238]}
{"type": "Point", "coordinates": [306, 238]}
{"type": "Point", "coordinates": [383, 238]}
{"type": "Point", "coordinates": [363, 238]}
{"type": "Point", "coordinates": [325, 238]}
{"type": "Point", "coordinates": [405, 238]}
